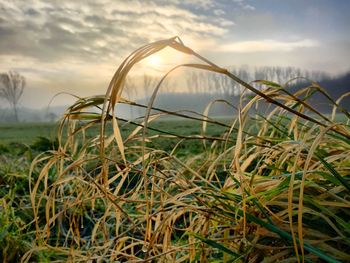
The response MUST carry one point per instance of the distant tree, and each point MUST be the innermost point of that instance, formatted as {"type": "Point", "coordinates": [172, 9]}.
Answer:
{"type": "Point", "coordinates": [11, 89]}
{"type": "Point", "coordinates": [167, 86]}
{"type": "Point", "coordinates": [198, 82]}
{"type": "Point", "coordinates": [149, 83]}
{"type": "Point", "coordinates": [130, 91]}
{"type": "Point", "coordinates": [192, 82]}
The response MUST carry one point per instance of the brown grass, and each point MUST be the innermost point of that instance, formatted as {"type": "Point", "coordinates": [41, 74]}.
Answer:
{"type": "Point", "coordinates": [273, 187]}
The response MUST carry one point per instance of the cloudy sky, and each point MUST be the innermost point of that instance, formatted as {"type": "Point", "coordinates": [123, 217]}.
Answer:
{"type": "Point", "coordinates": [75, 46]}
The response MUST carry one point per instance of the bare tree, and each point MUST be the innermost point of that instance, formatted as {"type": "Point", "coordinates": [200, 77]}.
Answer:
{"type": "Point", "coordinates": [149, 83]}
{"type": "Point", "coordinates": [168, 86]}
{"type": "Point", "coordinates": [192, 82]}
{"type": "Point", "coordinates": [11, 89]}
{"type": "Point", "coordinates": [130, 91]}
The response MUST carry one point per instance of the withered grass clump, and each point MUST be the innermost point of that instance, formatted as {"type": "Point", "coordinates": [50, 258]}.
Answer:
{"type": "Point", "coordinates": [273, 187]}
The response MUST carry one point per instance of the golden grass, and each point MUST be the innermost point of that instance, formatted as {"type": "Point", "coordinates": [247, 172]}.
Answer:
{"type": "Point", "coordinates": [274, 186]}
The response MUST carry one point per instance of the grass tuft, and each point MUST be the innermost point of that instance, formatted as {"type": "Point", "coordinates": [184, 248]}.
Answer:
{"type": "Point", "coordinates": [273, 185]}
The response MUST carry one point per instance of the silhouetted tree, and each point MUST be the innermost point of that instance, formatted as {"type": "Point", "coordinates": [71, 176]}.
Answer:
{"type": "Point", "coordinates": [149, 83]}
{"type": "Point", "coordinates": [130, 91]}
{"type": "Point", "coordinates": [11, 89]}
{"type": "Point", "coordinates": [212, 83]}
{"type": "Point", "coordinates": [168, 86]}
{"type": "Point", "coordinates": [192, 82]}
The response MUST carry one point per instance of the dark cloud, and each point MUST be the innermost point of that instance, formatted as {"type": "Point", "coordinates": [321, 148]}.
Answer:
{"type": "Point", "coordinates": [31, 12]}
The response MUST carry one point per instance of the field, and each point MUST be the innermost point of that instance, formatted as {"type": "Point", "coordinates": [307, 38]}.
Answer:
{"type": "Point", "coordinates": [27, 133]}
{"type": "Point", "coordinates": [37, 136]}
{"type": "Point", "coordinates": [268, 184]}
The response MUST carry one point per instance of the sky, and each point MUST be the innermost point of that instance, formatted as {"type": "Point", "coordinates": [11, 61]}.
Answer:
{"type": "Point", "coordinates": [76, 46]}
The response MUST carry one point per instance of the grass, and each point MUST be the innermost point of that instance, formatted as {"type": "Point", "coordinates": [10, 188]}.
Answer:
{"type": "Point", "coordinates": [25, 132]}
{"type": "Point", "coordinates": [269, 184]}
{"type": "Point", "coordinates": [40, 136]}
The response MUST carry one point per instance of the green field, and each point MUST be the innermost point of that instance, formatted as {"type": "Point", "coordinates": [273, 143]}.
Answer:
{"type": "Point", "coordinates": [26, 132]}
{"type": "Point", "coordinates": [32, 134]}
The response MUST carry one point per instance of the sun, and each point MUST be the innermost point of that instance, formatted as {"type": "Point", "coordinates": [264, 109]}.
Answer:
{"type": "Point", "coordinates": [154, 61]}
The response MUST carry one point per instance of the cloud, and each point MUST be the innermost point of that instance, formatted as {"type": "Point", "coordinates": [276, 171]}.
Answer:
{"type": "Point", "coordinates": [77, 45]}
{"type": "Point", "coordinates": [267, 45]}
{"type": "Point", "coordinates": [98, 31]}
{"type": "Point", "coordinates": [204, 4]}
{"type": "Point", "coordinates": [219, 12]}
{"type": "Point", "coordinates": [243, 5]}
{"type": "Point", "coordinates": [248, 7]}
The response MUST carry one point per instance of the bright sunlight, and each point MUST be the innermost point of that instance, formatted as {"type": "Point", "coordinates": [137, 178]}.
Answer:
{"type": "Point", "coordinates": [154, 61]}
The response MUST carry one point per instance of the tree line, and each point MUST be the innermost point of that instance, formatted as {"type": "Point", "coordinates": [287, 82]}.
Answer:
{"type": "Point", "coordinates": [198, 82]}
{"type": "Point", "coordinates": [213, 83]}
{"type": "Point", "coordinates": [12, 84]}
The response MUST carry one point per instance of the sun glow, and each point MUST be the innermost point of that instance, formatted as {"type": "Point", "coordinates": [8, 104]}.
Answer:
{"type": "Point", "coordinates": [154, 61]}
{"type": "Point", "coordinates": [160, 63]}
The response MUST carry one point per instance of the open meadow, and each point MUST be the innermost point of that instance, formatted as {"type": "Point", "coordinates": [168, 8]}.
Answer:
{"type": "Point", "coordinates": [264, 185]}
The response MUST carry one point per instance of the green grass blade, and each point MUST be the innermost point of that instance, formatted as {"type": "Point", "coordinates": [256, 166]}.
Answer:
{"type": "Point", "coordinates": [334, 172]}
{"type": "Point", "coordinates": [288, 237]}
{"type": "Point", "coordinates": [283, 234]}
{"type": "Point", "coordinates": [217, 245]}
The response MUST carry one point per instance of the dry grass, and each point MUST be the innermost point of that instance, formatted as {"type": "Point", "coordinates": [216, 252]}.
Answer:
{"type": "Point", "coordinates": [274, 186]}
